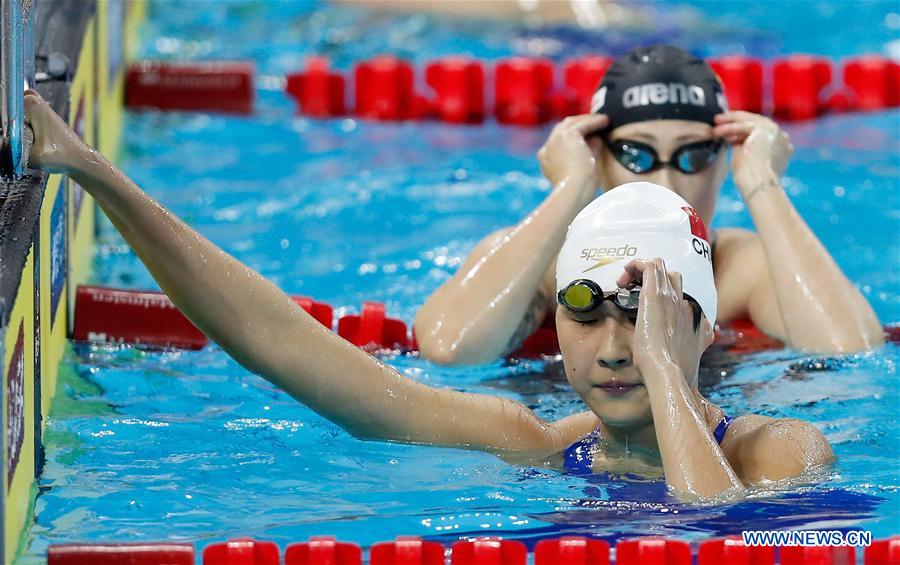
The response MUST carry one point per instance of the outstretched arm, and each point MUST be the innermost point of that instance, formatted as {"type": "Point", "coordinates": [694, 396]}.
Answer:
{"type": "Point", "coordinates": [799, 293]}
{"type": "Point", "coordinates": [497, 297]}
{"type": "Point", "coordinates": [260, 326]}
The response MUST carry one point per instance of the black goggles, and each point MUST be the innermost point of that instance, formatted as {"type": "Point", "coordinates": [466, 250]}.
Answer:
{"type": "Point", "coordinates": [641, 158]}
{"type": "Point", "coordinates": [584, 295]}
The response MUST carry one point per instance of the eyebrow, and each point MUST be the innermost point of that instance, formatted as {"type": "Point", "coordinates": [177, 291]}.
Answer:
{"type": "Point", "coordinates": [642, 135]}
{"type": "Point", "coordinates": [691, 137]}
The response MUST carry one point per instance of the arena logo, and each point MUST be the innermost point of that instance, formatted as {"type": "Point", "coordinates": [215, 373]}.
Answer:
{"type": "Point", "coordinates": [15, 406]}
{"type": "Point", "coordinates": [606, 255]}
{"type": "Point", "coordinates": [658, 93]}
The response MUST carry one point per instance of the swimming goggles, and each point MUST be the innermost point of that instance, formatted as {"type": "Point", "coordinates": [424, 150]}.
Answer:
{"type": "Point", "coordinates": [641, 158]}
{"type": "Point", "coordinates": [584, 295]}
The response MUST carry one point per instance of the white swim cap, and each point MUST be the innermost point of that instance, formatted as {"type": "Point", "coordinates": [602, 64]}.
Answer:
{"type": "Point", "coordinates": [639, 220]}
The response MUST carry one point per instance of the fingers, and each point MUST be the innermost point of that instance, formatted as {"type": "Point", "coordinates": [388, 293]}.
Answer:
{"type": "Point", "coordinates": [734, 132]}
{"type": "Point", "coordinates": [676, 281]}
{"type": "Point", "coordinates": [737, 116]}
{"type": "Point", "coordinates": [588, 124]}
{"type": "Point", "coordinates": [583, 125]}
{"type": "Point", "coordinates": [634, 273]}
{"type": "Point", "coordinates": [652, 275]}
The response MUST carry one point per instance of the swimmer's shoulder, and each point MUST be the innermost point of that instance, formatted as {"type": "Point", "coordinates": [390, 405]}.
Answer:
{"type": "Point", "coordinates": [564, 433]}
{"type": "Point", "coordinates": [761, 448]}
{"type": "Point", "coordinates": [738, 261]}
{"type": "Point", "coordinates": [570, 430]}
{"type": "Point", "coordinates": [731, 243]}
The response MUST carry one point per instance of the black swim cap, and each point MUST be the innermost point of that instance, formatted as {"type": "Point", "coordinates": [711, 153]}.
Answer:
{"type": "Point", "coordinates": [660, 82]}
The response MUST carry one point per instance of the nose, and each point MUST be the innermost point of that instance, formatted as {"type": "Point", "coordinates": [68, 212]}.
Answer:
{"type": "Point", "coordinates": [614, 346]}
{"type": "Point", "coordinates": [663, 176]}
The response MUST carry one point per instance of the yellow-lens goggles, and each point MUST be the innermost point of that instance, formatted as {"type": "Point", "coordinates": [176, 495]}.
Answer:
{"type": "Point", "coordinates": [585, 295]}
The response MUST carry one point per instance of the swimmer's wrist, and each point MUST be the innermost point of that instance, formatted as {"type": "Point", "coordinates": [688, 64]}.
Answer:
{"type": "Point", "coordinates": [756, 178]}
{"type": "Point", "coordinates": [658, 367]}
{"type": "Point", "coordinates": [84, 162]}
{"type": "Point", "coordinates": [584, 184]}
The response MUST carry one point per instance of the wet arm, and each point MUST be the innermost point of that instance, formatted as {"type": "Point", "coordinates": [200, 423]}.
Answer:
{"type": "Point", "coordinates": [798, 293]}
{"type": "Point", "coordinates": [260, 326]}
{"type": "Point", "coordinates": [819, 309]}
{"type": "Point", "coordinates": [694, 465]}
{"type": "Point", "coordinates": [497, 298]}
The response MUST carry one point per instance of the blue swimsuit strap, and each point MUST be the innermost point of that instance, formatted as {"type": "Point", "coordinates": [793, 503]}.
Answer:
{"type": "Point", "coordinates": [719, 434]}
{"type": "Point", "coordinates": [579, 458]}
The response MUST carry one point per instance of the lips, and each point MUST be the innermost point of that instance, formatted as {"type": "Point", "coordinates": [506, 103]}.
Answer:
{"type": "Point", "coordinates": [617, 388]}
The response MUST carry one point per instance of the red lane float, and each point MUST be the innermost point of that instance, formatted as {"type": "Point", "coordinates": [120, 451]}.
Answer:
{"type": "Point", "coordinates": [318, 90]}
{"type": "Point", "coordinates": [121, 554]}
{"type": "Point", "coordinates": [197, 86]}
{"type": "Point", "coordinates": [372, 328]}
{"type": "Point", "coordinates": [798, 84]}
{"type": "Point", "coordinates": [883, 552]}
{"type": "Point", "coordinates": [129, 316]}
{"type": "Point", "coordinates": [571, 551]}
{"type": "Point", "coordinates": [150, 318]}
{"type": "Point", "coordinates": [407, 551]}
{"type": "Point", "coordinates": [242, 551]}
{"type": "Point", "coordinates": [874, 82]}
{"type": "Point", "coordinates": [733, 550]}
{"type": "Point", "coordinates": [318, 310]}
{"type": "Point", "coordinates": [522, 91]}
{"type": "Point", "coordinates": [582, 77]}
{"type": "Point", "coordinates": [824, 555]}
{"type": "Point", "coordinates": [488, 551]}
{"type": "Point", "coordinates": [323, 550]}
{"type": "Point", "coordinates": [458, 84]}
{"type": "Point", "coordinates": [742, 81]}
{"type": "Point", "coordinates": [384, 90]}
{"type": "Point", "coordinates": [653, 551]}
{"type": "Point", "coordinates": [523, 87]}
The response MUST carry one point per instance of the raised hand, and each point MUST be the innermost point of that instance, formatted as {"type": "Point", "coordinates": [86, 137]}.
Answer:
{"type": "Point", "coordinates": [567, 155]}
{"type": "Point", "coordinates": [56, 148]}
{"type": "Point", "coordinates": [758, 142]}
{"type": "Point", "coordinates": [664, 328]}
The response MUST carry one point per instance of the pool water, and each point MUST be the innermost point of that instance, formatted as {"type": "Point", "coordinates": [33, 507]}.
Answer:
{"type": "Point", "coordinates": [189, 446]}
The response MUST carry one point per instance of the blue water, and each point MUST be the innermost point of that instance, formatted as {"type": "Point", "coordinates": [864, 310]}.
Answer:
{"type": "Point", "coordinates": [189, 446]}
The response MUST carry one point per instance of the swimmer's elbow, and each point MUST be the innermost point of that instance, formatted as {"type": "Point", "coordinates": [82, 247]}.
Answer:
{"type": "Point", "coordinates": [445, 351]}
{"type": "Point", "coordinates": [434, 351]}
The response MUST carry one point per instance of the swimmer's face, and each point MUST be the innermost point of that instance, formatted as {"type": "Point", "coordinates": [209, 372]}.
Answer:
{"type": "Point", "coordinates": [599, 365]}
{"type": "Point", "coordinates": [700, 189]}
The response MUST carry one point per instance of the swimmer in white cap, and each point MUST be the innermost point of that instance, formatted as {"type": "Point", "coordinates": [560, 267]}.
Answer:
{"type": "Point", "coordinates": [631, 330]}
{"type": "Point", "coordinates": [659, 116]}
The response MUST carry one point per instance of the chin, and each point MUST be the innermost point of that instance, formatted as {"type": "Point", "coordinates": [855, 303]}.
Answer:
{"type": "Point", "coordinates": [625, 414]}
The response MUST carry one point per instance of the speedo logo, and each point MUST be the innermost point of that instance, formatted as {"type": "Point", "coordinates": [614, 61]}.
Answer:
{"type": "Point", "coordinates": [657, 93]}
{"type": "Point", "coordinates": [606, 255]}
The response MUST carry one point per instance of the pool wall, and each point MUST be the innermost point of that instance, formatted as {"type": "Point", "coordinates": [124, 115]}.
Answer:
{"type": "Point", "coordinates": [47, 233]}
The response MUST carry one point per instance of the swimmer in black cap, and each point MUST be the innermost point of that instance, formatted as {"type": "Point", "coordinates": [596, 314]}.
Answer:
{"type": "Point", "coordinates": [659, 116]}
